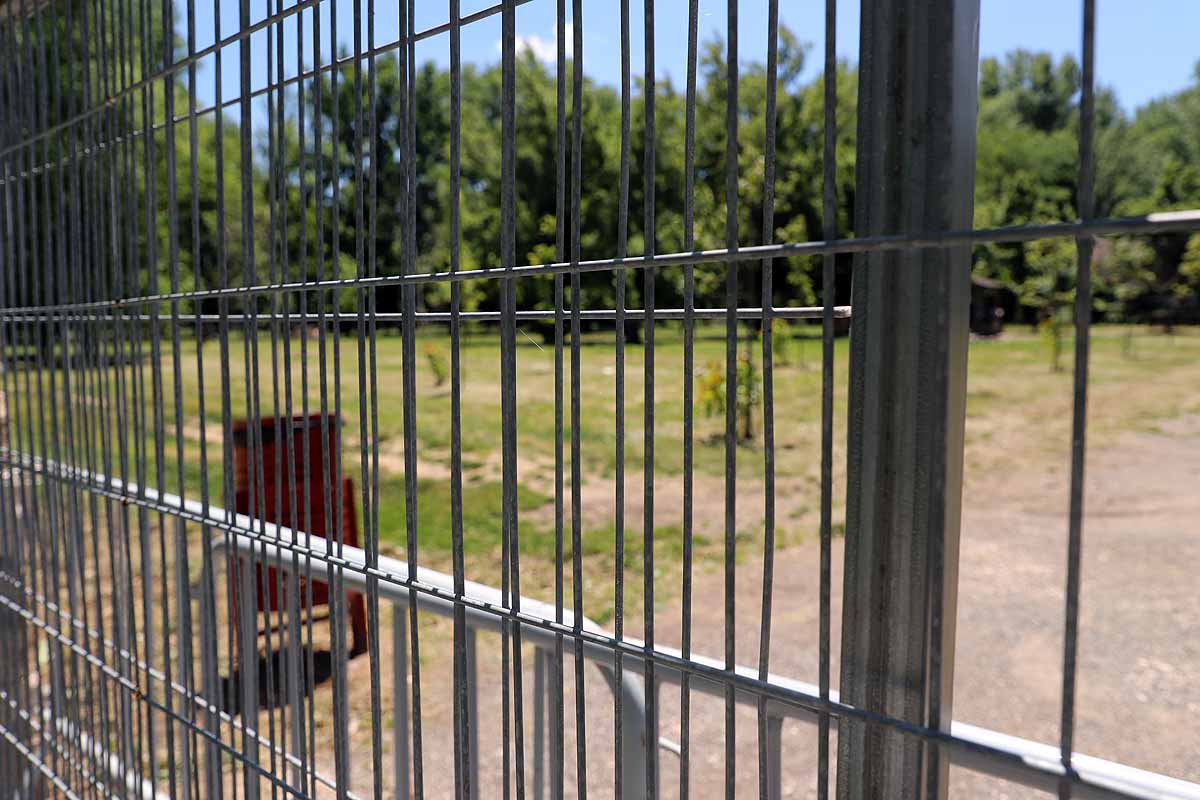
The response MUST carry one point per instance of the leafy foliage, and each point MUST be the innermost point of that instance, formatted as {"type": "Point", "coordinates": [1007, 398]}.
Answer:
{"type": "Point", "coordinates": [437, 363]}
{"type": "Point", "coordinates": [1027, 172]}
{"type": "Point", "coordinates": [712, 392]}
{"type": "Point", "coordinates": [308, 223]}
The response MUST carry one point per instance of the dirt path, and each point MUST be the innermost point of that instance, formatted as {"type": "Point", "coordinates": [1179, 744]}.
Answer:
{"type": "Point", "coordinates": [1139, 674]}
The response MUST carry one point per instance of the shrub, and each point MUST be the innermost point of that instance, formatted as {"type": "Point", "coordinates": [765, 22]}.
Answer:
{"type": "Point", "coordinates": [749, 389]}
{"type": "Point", "coordinates": [437, 363]}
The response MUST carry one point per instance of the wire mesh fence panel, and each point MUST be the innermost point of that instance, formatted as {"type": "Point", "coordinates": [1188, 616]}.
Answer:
{"type": "Point", "coordinates": [358, 425]}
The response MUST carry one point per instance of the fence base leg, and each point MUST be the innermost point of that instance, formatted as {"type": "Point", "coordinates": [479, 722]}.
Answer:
{"type": "Point", "coordinates": [400, 689]}
{"type": "Point", "coordinates": [539, 724]}
{"type": "Point", "coordinates": [473, 712]}
{"type": "Point", "coordinates": [774, 758]}
{"type": "Point", "coordinates": [633, 732]}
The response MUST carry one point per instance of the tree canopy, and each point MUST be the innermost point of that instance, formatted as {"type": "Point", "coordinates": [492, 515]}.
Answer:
{"type": "Point", "coordinates": [308, 158]}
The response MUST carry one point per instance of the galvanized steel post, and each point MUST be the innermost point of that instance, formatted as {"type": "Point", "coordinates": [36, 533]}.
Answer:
{"type": "Point", "coordinates": [917, 107]}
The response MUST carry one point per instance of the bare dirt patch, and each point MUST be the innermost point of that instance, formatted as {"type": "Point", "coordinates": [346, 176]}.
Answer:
{"type": "Point", "coordinates": [1139, 675]}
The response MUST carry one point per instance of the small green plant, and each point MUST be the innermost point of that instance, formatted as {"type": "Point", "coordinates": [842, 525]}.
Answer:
{"type": "Point", "coordinates": [712, 389]}
{"type": "Point", "coordinates": [749, 390]}
{"type": "Point", "coordinates": [437, 363]}
{"type": "Point", "coordinates": [1051, 330]}
{"type": "Point", "coordinates": [783, 343]}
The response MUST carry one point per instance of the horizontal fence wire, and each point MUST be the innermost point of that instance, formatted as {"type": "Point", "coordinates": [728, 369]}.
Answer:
{"type": "Point", "coordinates": [337, 318]}
{"type": "Point", "coordinates": [1146, 225]}
{"type": "Point", "coordinates": [221, 490]}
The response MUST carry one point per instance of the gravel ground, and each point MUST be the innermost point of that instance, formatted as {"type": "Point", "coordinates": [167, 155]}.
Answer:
{"type": "Point", "coordinates": [1139, 672]}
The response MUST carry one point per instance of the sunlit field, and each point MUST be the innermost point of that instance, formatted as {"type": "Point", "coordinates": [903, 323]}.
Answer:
{"type": "Point", "coordinates": [1018, 420]}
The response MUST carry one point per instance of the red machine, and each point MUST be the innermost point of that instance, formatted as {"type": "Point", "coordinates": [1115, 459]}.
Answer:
{"type": "Point", "coordinates": [308, 502]}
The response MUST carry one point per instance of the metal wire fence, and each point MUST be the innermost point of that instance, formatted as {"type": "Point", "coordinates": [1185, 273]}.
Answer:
{"type": "Point", "coordinates": [176, 509]}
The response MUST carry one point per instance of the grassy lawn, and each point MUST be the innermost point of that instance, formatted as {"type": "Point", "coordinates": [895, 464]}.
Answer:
{"type": "Point", "coordinates": [1018, 419]}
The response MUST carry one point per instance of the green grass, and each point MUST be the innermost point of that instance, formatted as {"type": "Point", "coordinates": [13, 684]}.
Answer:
{"type": "Point", "coordinates": [536, 398]}
{"type": "Point", "coordinates": [1018, 418]}
{"type": "Point", "coordinates": [482, 507]}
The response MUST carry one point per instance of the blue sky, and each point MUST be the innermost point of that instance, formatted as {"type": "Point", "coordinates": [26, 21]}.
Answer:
{"type": "Point", "coordinates": [1145, 48]}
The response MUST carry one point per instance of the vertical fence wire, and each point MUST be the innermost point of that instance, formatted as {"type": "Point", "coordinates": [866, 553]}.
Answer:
{"type": "Point", "coordinates": [765, 779]}
{"type": "Point", "coordinates": [577, 609]}
{"type": "Point", "coordinates": [731, 386]}
{"type": "Point", "coordinates": [649, 168]}
{"type": "Point", "coordinates": [306, 467]}
{"type": "Point", "coordinates": [557, 706]}
{"type": "Point", "coordinates": [508, 409]}
{"type": "Point", "coordinates": [828, 297]}
{"type": "Point", "coordinates": [1083, 317]}
{"type": "Point", "coordinates": [689, 423]}
{"type": "Point", "coordinates": [462, 724]}
{"type": "Point", "coordinates": [620, 279]}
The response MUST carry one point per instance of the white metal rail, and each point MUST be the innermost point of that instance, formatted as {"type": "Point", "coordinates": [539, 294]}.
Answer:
{"type": "Point", "coordinates": [999, 755]}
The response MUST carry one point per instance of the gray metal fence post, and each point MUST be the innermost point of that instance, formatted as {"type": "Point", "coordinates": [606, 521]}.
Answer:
{"type": "Point", "coordinates": [917, 108]}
